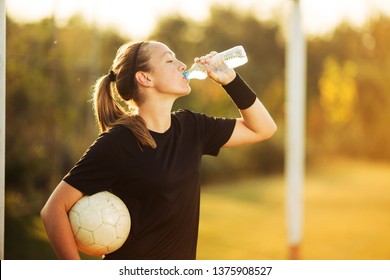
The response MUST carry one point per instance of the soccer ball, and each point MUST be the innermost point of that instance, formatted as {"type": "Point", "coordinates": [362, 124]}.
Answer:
{"type": "Point", "coordinates": [100, 223]}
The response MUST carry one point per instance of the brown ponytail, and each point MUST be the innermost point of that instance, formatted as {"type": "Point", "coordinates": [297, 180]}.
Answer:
{"type": "Point", "coordinates": [108, 111]}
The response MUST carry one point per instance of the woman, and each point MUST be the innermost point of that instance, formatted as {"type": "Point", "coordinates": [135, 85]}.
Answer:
{"type": "Point", "coordinates": [150, 157]}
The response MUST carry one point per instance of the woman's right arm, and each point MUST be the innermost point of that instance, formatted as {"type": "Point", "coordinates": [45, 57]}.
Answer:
{"type": "Point", "coordinates": [55, 219]}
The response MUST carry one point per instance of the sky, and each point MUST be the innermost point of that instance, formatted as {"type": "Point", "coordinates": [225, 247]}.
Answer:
{"type": "Point", "coordinates": [137, 18]}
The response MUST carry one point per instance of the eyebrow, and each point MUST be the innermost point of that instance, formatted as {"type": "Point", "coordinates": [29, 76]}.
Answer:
{"type": "Point", "coordinates": [169, 52]}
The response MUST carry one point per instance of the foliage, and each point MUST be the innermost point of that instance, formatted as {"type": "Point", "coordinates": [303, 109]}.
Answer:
{"type": "Point", "coordinates": [365, 134]}
{"type": "Point", "coordinates": [51, 68]}
{"type": "Point", "coordinates": [49, 74]}
{"type": "Point", "coordinates": [338, 90]}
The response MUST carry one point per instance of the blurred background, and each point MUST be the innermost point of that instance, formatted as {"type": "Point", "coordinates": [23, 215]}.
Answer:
{"type": "Point", "coordinates": [56, 49]}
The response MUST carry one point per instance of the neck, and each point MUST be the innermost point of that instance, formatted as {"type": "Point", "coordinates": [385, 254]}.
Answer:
{"type": "Point", "coordinates": [156, 116]}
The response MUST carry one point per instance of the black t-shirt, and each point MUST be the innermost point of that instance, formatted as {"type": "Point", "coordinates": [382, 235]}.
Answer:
{"type": "Point", "coordinates": [161, 187]}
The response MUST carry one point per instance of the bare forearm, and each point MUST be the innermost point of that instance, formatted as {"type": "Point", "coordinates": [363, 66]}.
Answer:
{"type": "Point", "coordinates": [258, 119]}
{"type": "Point", "coordinates": [55, 219]}
{"type": "Point", "coordinates": [60, 234]}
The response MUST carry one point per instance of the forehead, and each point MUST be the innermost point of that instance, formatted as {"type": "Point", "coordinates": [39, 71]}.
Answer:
{"type": "Point", "coordinates": [158, 50]}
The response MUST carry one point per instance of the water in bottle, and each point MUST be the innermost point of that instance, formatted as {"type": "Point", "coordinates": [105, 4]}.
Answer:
{"type": "Point", "coordinates": [230, 58]}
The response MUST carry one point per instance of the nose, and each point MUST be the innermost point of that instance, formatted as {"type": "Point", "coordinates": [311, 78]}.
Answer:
{"type": "Point", "coordinates": [182, 66]}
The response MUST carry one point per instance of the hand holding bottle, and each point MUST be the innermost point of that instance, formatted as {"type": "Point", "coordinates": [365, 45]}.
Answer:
{"type": "Point", "coordinates": [216, 68]}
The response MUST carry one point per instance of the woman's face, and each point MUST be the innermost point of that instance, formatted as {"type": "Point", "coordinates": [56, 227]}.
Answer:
{"type": "Point", "coordinates": [167, 71]}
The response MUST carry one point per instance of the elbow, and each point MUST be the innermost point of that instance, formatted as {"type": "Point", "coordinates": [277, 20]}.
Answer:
{"type": "Point", "coordinates": [273, 129]}
{"type": "Point", "coordinates": [43, 214]}
{"type": "Point", "coordinates": [269, 132]}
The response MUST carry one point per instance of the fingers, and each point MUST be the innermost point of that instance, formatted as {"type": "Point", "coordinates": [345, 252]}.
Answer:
{"type": "Point", "coordinates": [206, 59]}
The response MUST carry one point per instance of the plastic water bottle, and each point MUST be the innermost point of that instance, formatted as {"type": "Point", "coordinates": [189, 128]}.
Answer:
{"type": "Point", "coordinates": [230, 58]}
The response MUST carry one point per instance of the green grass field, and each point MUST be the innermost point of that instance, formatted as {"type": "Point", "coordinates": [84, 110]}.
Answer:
{"type": "Point", "coordinates": [346, 216]}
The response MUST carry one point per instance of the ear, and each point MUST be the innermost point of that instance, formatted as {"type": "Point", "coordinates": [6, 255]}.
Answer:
{"type": "Point", "coordinates": [143, 79]}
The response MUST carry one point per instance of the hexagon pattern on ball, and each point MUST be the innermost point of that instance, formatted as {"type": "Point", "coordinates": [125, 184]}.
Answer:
{"type": "Point", "coordinates": [100, 223]}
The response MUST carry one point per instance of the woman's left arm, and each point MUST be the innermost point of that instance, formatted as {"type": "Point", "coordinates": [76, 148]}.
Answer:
{"type": "Point", "coordinates": [255, 124]}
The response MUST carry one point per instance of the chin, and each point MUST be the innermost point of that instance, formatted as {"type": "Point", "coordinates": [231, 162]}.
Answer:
{"type": "Point", "coordinates": [187, 92]}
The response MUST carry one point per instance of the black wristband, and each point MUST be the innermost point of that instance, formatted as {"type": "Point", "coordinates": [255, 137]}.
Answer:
{"type": "Point", "coordinates": [241, 94]}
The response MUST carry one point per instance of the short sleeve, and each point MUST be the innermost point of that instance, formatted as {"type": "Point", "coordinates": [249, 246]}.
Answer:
{"type": "Point", "coordinates": [99, 167]}
{"type": "Point", "coordinates": [214, 132]}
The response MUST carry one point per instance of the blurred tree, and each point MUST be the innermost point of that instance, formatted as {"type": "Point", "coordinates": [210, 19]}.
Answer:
{"type": "Point", "coordinates": [338, 91]}
{"type": "Point", "coordinates": [50, 71]}
{"type": "Point", "coordinates": [364, 135]}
